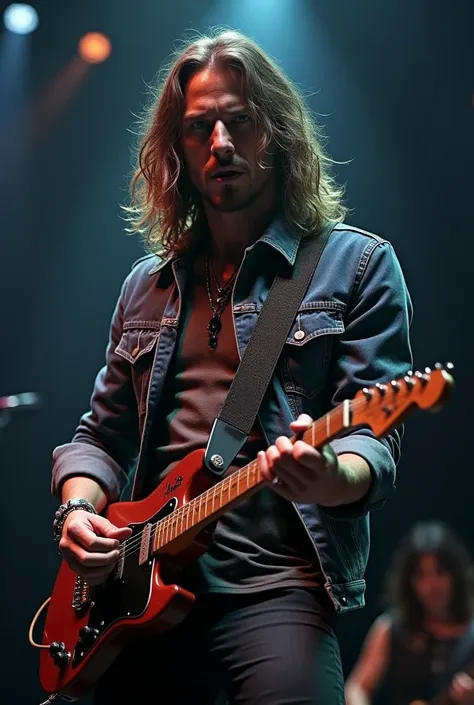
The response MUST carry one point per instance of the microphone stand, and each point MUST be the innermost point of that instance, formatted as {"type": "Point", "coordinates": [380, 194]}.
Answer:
{"type": "Point", "coordinates": [27, 401]}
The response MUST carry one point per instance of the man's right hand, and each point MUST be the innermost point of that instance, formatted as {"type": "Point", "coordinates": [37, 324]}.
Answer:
{"type": "Point", "coordinates": [89, 544]}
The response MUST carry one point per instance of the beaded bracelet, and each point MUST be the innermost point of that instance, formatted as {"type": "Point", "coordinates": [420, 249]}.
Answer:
{"type": "Point", "coordinates": [64, 510]}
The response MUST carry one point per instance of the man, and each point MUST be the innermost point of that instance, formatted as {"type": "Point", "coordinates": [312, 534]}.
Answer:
{"type": "Point", "coordinates": [231, 178]}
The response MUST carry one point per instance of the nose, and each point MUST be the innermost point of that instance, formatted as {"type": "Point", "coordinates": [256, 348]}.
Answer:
{"type": "Point", "coordinates": [222, 147]}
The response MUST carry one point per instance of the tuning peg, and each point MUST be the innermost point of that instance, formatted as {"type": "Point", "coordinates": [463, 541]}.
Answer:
{"type": "Point", "coordinates": [447, 366]}
{"type": "Point", "coordinates": [368, 393]}
{"type": "Point", "coordinates": [424, 378]}
{"type": "Point", "coordinates": [428, 370]}
{"type": "Point", "coordinates": [382, 388]}
{"type": "Point", "coordinates": [395, 385]}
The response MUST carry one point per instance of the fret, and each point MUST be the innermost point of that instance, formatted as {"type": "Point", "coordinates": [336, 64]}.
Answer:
{"type": "Point", "coordinates": [248, 478]}
{"type": "Point", "coordinates": [220, 499]}
{"type": "Point", "coordinates": [213, 498]}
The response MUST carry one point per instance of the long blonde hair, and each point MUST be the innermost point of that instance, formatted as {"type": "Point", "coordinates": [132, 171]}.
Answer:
{"type": "Point", "coordinates": [164, 205]}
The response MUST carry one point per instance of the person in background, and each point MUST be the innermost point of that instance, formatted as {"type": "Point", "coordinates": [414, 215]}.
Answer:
{"type": "Point", "coordinates": [420, 647]}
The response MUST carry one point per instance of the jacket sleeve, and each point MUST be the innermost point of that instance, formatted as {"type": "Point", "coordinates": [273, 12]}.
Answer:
{"type": "Point", "coordinates": [375, 347]}
{"type": "Point", "coordinates": [106, 440]}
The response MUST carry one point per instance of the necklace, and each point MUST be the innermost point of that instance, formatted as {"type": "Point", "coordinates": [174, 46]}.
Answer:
{"type": "Point", "coordinates": [223, 296]}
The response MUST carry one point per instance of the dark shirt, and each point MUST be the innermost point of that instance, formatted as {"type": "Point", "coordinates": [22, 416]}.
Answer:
{"type": "Point", "coordinates": [421, 665]}
{"type": "Point", "coordinates": [261, 543]}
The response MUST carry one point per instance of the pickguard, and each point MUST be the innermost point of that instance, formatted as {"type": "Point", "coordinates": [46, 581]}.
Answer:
{"type": "Point", "coordinates": [125, 594]}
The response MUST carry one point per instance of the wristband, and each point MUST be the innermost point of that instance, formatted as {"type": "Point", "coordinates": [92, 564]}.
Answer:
{"type": "Point", "coordinates": [64, 510]}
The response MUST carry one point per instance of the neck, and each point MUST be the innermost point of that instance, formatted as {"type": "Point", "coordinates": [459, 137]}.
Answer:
{"type": "Point", "coordinates": [231, 233]}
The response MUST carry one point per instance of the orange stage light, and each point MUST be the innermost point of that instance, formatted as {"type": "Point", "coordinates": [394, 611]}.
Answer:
{"type": "Point", "coordinates": [94, 47]}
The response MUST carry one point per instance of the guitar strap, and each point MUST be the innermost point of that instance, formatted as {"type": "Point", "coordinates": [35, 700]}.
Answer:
{"type": "Point", "coordinates": [232, 427]}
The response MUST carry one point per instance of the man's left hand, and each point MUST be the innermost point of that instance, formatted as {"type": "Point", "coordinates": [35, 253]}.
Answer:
{"type": "Point", "coordinates": [300, 473]}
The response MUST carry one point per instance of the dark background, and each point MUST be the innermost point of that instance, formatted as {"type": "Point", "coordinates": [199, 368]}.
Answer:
{"type": "Point", "coordinates": [393, 83]}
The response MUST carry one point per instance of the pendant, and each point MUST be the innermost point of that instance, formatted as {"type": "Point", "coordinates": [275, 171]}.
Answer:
{"type": "Point", "coordinates": [213, 328]}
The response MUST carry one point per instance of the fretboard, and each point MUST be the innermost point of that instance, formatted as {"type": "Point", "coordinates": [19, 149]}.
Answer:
{"type": "Point", "coordinates": [209, 505]}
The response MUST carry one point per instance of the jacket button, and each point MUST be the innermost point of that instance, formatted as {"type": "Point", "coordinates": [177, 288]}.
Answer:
{"type": "Point", "coordinates": [135, 351]}
{"type": "Point", "coordinates": [344, 599]}
{"type": "Point", "coordinates": [299, 335]}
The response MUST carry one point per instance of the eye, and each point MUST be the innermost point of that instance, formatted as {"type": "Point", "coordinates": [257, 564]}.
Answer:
{"type": "Point", "coordinates": [198, 125]}
{"type": "Point", "coordinates": [242, 119]}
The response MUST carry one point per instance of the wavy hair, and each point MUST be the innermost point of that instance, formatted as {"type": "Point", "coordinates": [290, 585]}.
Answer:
{"type": "Point", "coordinates": [435, 538]}
{"type": "Point", "coordinates": [164, 206]}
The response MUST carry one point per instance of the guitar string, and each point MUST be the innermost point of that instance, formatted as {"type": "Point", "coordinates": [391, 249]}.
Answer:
{"type": "Point", "coordinates": [181, 511]}
{"type": "Point", "coordinates": [135, 541]}
{"type": "Point", "coordinates": [189, 506]}
{"type": "Point", "coordinates": [179, 514]}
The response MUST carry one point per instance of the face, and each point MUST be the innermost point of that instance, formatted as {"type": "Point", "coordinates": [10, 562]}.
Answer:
{"type": "Point", "coordinates": [433, 586]}
{"type": "Point", "coordinates": [219, 141]}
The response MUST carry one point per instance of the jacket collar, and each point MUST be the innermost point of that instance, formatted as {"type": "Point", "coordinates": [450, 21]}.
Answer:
{"type": "Point", "coordinates": [280, 235]}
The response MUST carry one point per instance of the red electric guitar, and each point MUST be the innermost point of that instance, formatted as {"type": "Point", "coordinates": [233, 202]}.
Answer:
{"type": "Point", "coordinates": [86, 627]}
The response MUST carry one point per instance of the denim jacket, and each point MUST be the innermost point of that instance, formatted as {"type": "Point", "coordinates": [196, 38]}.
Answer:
{"type": "Point", "coordinates": [351, 330]}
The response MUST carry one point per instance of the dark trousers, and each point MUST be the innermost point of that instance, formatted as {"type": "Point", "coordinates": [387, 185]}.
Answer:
{"type": "Point", "coordinates": [272, 648]}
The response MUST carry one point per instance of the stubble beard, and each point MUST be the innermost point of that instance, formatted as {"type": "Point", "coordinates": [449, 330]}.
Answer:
{"type": "Point", "coordinates": [231, 202]}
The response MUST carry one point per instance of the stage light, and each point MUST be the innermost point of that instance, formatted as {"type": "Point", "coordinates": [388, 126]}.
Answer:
{"type": "Point", "coordinates": [20, 18]}
{"type": "Point", "coordinates": [94, 47]}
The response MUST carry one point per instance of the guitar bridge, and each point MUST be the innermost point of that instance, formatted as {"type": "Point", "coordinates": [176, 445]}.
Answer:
{"type": "Point", "coordinates": [81, 598]}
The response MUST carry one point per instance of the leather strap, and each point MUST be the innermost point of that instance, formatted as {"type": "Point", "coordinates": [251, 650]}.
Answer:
{"type": "Point", "coordinates": [232, 427]}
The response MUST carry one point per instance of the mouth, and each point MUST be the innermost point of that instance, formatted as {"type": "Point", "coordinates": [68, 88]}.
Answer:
{"type": "Point", "coordinates": [224, 175]}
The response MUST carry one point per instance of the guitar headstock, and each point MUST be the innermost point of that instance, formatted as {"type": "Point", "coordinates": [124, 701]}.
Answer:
{"type": "Point", "coordinates": [383, 406]}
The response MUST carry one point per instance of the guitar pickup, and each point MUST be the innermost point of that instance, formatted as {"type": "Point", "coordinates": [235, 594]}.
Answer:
{"type": "Point", "coordinates": [118, 573]}
{"type": "Point", "coordinates": [145, 545]}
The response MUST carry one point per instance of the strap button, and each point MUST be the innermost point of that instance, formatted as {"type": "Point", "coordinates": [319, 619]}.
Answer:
{"type": "Point", "coordinates": [299, 335]}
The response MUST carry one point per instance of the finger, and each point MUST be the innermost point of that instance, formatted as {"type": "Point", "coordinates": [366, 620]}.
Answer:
{"type": "Point", "coordinates": [104, 527]}
{"type": "Point", "coordinates": [96, 560]}
{"type": "Point", "coordinates": [288, 472]}
{"type": "Point", "coordinates": [87, 559]}
{"type": "Point", "coordinates": [465, 680]}
{"type": "Point", "coordinates": [284, 446]}
{"type": "Point", "coordinates": [83, 534]}
{"type": "Point", "coordinates": [320, 461]}
{"type": "Point", "coordinates": [265, 463]}
{"type": "Point", "coordinates": [282, 464]}
{"type": "Point", "coordinates": [283, 490]}
{"type": "Point", "coordinates": [303, 422]}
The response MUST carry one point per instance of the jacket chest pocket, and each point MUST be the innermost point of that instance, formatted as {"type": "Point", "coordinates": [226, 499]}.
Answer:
{"type": "Point", "coordinates": [137, 345]}
{"type": "Point", "coordinates": [307, 351]}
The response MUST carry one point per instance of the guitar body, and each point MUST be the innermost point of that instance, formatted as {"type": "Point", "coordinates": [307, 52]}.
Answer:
{"type": "Point", "coordinates": [140, 597]}
{"type": "Point", "coordinates": [86, 627]}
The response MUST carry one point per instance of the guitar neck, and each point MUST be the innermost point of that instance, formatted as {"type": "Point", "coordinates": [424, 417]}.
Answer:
{"type": "Point", "coordinates": [380, 408]}
{"type": "Point", "coordinates": [209, 505]}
